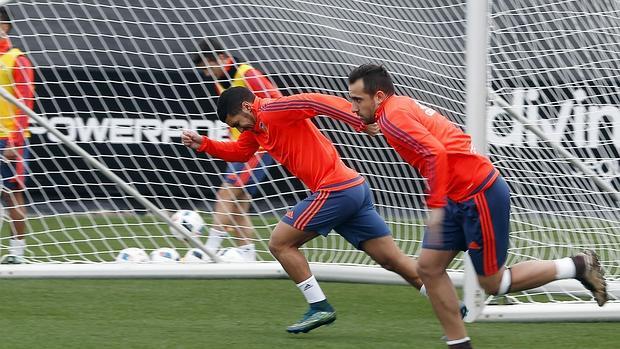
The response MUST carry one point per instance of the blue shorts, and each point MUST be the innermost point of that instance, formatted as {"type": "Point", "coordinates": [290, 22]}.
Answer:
{"type": "Point", "coordinates": [249, 174]}
{"type": "Point", "coordinates": [479, 225]}
{"type": "Point", "coordinates": [14, 172]}
{"type": "Point", "coordinates": [350, 212]}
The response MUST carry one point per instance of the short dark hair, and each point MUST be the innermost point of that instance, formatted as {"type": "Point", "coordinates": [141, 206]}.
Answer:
{"type": "Point", "coordinates": [375, 77]}
{"type": "Point", "coordinates": [208, 49]}
{"type": "Point", "coordinates": [5, 18]}
{"type": "Point", "coordinates": [230, 101]}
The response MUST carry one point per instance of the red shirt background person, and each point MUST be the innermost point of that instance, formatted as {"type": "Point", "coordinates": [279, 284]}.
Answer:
{"type": "Point", "coordinates": [17, 78]}
{"type": "Point", "coordinates": [241, 181]}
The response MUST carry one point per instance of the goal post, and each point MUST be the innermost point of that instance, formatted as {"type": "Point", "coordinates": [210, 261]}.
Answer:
{"type": "Point", "coordinates": [116, 81]}
{"type": "Point", "coordinates": [557, 63]}
{"type": "Point", "coordinates": [475, 115]}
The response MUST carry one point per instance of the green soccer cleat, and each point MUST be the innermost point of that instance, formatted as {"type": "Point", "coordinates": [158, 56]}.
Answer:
{"type": "Point", "coordinates": [311, 320]}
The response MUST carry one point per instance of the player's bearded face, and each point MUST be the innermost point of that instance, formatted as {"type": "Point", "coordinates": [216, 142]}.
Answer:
{"type": "Point", "coordinates": [244, 120]}
{"type": "Point", "coordinates": [362, 103]}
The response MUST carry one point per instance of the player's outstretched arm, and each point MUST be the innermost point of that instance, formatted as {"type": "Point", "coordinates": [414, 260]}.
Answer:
{"type": "Point", "coordinates": [309, 105]}
{"type": "Point", "coordinates": [237, 151]}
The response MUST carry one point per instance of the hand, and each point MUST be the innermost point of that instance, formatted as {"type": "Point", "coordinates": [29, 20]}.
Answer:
{"type": "Point", "coordinates": [191, 139]}
{"type": "Point", "coordinates": [372, 129]}
{"type": "Point", "coordinates": [434, 223]}
{"type": "Point", "coordinates": [11, 153]}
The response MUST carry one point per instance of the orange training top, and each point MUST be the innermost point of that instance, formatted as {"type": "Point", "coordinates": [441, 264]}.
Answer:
{"type": "Point", "coordinates": [438, 149]}
{"type": "Point", "coordinates": [283, 128]}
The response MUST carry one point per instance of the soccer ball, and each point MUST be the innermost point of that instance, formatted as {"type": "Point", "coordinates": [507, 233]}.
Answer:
{"type": "Point", "coordinates": [231, 255]}
{"type": "Point", "coordinates": [165, 255]}
{"type": "Point", "coordinates": [196, 255]}
{"type": "Point", "coordinates": [132, 255]}
{"type": "Point", "coordinates": [190, 220]}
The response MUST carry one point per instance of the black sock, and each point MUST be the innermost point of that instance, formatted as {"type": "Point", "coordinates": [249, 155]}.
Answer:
{"type": "Point", "coordinates": [464, 345]}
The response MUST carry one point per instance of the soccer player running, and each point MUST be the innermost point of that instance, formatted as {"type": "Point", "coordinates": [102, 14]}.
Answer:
{"type": "Point", "coordinates": [469, 203]}
{"type": "Point", "coordinates": [241, 182]}
{"type": "Point", "coordinates": [341, 199]}
{"type": "Point", "coordinates": [17, 78]}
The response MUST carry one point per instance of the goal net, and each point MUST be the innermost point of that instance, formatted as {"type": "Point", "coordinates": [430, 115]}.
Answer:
{"type": "Point", "coordinates": [116, 78]}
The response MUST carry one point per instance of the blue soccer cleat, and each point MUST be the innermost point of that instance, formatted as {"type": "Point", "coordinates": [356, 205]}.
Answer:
{"type": "Point", "coordinates": [312, 319]}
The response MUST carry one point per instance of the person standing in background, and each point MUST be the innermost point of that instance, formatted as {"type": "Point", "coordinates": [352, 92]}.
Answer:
{"type": "Point", "coordinates": [241, 181]}
{"type": "Point", "coordinates": [17, 78]}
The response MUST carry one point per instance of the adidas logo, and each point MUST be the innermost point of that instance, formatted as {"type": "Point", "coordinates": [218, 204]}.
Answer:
{"type": "Point", "coordinates": [307, 287]}
{"type": "Point", "coordinates": [289, 214]}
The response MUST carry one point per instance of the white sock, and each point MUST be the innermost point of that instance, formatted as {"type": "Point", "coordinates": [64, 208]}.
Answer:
{"type": "Point", "coordinates": [458, 341]}
{"type": "Point", "coordinates": [215, 239]}
{"type": "Point", "coordinates": [248, 252]}
{"type": "Point", "coordinates": [311, 290]}
{"type": "Point", "coordinates": [423, 291]}
{"type": "Point", "coordinates": [565, 268]}
{"type": "Point", "coordinates": [17, 247]}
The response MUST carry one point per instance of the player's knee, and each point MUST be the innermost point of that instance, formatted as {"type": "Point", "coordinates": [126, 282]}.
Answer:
{"type": "Point", "coordinates": [277, 247]}
{"type": "Point", "coordinates": [274, 248]}
{"type": "Point", "coordinates": [427, 269]}
{"type": "Point", "coordinates": [387, 264]}
{"type": "Point", "coordinates": [490, 288]}
{"type": "Point", "coordinates": [498, 286]}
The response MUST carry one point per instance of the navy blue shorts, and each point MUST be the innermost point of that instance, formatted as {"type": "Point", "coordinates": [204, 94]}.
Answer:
{"type": "Point", "coordinates": [480, 225]}
{"type": "Point", "coordinates": [350, 212]}
{"type": "Point", "coordinates": [14, 172]}
{"type": "Point", "coordinates": [249, 174]}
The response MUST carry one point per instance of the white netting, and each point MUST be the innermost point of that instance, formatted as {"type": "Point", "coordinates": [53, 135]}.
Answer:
{"type": "Point", "coordinates": [117, 78]}
{"type": "Point", "coordinates": [555, 64]}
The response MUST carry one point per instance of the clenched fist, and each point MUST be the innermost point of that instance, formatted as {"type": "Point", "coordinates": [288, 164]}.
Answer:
{"type": "Point", "coordinates": [191, 139]}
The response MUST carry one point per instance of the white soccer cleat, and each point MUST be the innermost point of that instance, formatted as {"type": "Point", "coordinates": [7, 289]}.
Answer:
{"type": "Point", "coordinates": [248, 252]}
{"type": "Point", "coordinates": [12, 259]}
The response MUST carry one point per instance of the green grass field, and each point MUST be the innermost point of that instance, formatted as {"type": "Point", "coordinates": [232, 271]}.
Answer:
{"type": "Point", "coordinates": [157, 314]}
{"type": "Point", "coordinates": [250, 314]}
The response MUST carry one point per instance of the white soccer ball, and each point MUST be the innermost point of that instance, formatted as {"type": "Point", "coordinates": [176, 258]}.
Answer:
{"type": "Point", "coordinates": [190, 220]}
{"type": "Point", "coordinates": [196, 255]}
{"type": "Point", "coordinates": [165, 255]}
{"type": "Point", "coordinates": [132, 255]}
{"type": "Point", "coordinates": [231, 255]}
